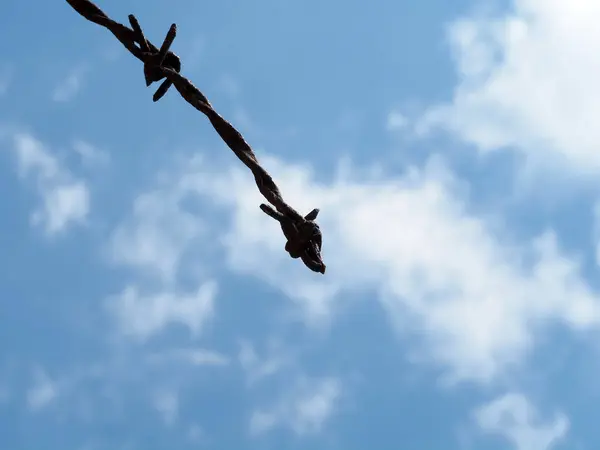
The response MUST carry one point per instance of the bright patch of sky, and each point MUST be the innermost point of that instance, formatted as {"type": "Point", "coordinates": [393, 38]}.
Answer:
{"type": "Point", "coordinates": [147, 302]}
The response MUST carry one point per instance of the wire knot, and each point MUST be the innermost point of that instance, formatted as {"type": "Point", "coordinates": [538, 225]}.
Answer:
{"type": "Point", "coordinates": [304, 239]}
{"type": "Point", "coordinates": [155, 62]}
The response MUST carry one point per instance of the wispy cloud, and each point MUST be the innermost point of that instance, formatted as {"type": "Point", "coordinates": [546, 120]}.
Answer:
{"type": "Point", "coordinates": [513, 417]}
{"type": "Point", "coordinates": [68, 88]}
{"type": "Point", "coordinates": [304, 409]}
{"type": "Point", "coordinates": [259, 367]}
{"type": "Point", "coordinates": [451, 277]}
{"type": "Point", "coordinates": [62, 205]}
{"type": "Point", "coordinates": [141, 316]}
{"type": "Point", "coordinates": [153, 240]}
{"type": "Point", "coordinates": [396, 121]}
{"type": "Point", "coordinates": [158, 348]}
{"type": "Point", "coordinates": [90, 155]}
{"type": "Point", "coordinates": [156, 235]}
{"type": "Point", "coordinates": [193, 356]}
{"type": "Point", "coordinates": [43, 392]}
{"type": "Point", "coordinates": [528, 81]}
{"type": "Point", "coordinates": [65, 199]}
{"type": "Point", "coordinates": [167, 404]}
{"type": "Point", "coordinates": [196, 434]}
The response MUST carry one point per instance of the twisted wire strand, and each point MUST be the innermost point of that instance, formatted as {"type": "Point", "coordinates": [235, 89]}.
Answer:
{"type": "Point", "coordinates": [304, 239]}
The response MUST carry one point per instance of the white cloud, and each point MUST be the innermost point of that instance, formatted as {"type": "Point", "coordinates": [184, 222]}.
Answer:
{"type": "Point", "coordinates": [193, 356]}
{"type": "Point", "coordinates": [62, 205]}
{"type": "Point", "coordinates": [396, 121]}
{"type": "Point", "coordinates": [515, 418]}
{"type": "Point", "coordinates": [196, 434]}
{"type": "Point", "coordinates": [42, 393]}
{"type": "Point", "coordinates": [154, 239]}
{"type": "Point", "coordinates": [167, 404]}
{"type": "Point", "coordinates": [304, 409]}
{"type": "Point", "coordinates": [528, 79]}
{"type": "Point", "coordinates": [90, 155]}
{"type": "Point", "coordinates": [33, 156]}
{"type": "Point", "coordinates": [476, 299]}
{"type": "Point", "coordinates": [157, 234]}
{"type": "Point", "coordinates": [258, 368]}
{"type": "Point", "coordinates": [65, 199]}
{"type": "Point", "coordinates": [68, 88]}
{"type": "Point", "coordinates": [141, 316]}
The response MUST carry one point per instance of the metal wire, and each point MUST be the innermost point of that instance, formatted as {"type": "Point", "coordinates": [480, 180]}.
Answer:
{"type": "Point", "coordinates": [304, 239]}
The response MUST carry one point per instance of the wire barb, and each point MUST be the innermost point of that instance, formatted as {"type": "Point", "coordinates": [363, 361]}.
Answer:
{"type": "Point", "coordinates": [304, 239]}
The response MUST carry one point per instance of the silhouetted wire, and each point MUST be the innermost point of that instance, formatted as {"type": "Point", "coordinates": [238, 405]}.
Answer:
{"type": "Point", "coordinates": [303, 235]}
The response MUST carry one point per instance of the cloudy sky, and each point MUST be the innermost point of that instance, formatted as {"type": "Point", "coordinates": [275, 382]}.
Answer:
{"type": "Point", "coordinates": [453, 149]}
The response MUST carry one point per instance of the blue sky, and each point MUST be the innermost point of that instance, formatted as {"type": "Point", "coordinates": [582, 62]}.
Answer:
{"type": "Point", "coordinates": [147, 302]}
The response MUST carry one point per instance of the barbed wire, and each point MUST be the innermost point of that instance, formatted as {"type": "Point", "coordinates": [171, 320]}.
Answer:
{"type": "Point", "coordinates": [304, 239]}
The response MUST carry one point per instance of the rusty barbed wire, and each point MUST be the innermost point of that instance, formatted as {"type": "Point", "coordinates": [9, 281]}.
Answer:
{"type": "Point", "coordinates": [304, 239]}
